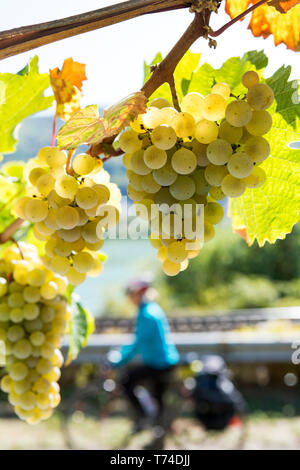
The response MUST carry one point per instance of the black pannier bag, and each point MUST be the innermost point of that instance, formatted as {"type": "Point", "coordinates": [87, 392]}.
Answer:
{"type": "Point", "coordinates": [217, 401]}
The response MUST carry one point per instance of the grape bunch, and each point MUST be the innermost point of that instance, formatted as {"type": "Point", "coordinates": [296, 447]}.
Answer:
{"type": "Point", "coordinates": [211, 149]}
{"type": "Point", "coordinates": [33, 317]}
{"type": "Point", "coordinates": [70, 212]}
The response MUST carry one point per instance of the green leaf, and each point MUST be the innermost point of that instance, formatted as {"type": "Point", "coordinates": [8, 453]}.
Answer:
{"type": "Point", "coordinates": [86, 127]}
{"type": "Point", "coordinates": [21, 95]}
{"type": "Point", "coordinates": [182, 75]}
{"type": "Point", "coordinates": [270, 212]}
{"type": "Point", "coordinates": [12, 186]}
{"type": "Point", "coordinates": [81, 327]}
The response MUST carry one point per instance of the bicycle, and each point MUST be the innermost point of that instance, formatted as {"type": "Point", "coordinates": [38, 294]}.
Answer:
{"type": "Point", "coordinates": [99, 397]}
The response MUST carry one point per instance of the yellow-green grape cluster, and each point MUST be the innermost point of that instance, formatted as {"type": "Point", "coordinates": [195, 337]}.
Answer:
{"type": "Point", "coordinates": [33, 317]}
{"type": "Point", "coordinates": [70, 212]}
{"type": "Point", "coordinates": [211, 149]}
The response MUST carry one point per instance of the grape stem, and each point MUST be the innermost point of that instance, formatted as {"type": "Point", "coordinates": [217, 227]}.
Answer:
{"type": "Point", "coordinates": [69, 168]}
{"type": "Point", "coordinates": [221, 30]}
{"type": "Point", "coordinates": [6, 235]}
{"type": "Point", "coordinates": [172, 86]}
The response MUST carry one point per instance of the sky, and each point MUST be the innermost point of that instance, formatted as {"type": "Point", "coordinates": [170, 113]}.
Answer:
{"type": "Point", "coordinates": [114, 55]}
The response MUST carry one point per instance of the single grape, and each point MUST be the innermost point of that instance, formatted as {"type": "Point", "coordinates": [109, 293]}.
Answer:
{"type": "Point", "coordinates": [45, 184]}
{"type": "Point", "coordinates": [165, 176]}
{"type": "Point", "coordinates": [192, 103]}
{"type": "Point", "coordinates": [214, 107]}
{"type": "Point", "coordinates": [202, 186]}
{"type": "Point", "coordinates": [250, 78]}
{"type": "Point", "coordinates": [52, 156]}
{"type": "Point", "coordinates": [150, 185]}
{"type": "Point", "coordinates": [214, 174]}
{"type": "Point", "coordinates": [83, 262]}
{"type": "Point", "coordinates": [129, 141]}
{"type": "Point", "coordinates": [36, 210]}
{"type": "Point", "coordinates": [67, 217]}
{"type": "Point", "coordinates": [260, 123]}
{"type": "Point", "coordinates": [238, 113]}
{"type": "Point", "coordinates": [183, 124]}
{"type": "Point", "coordinates": [260, 96]}
{"type": "Point", "coordinates": [258, 148]}
{"type": "Point", "coordinates": [183, 188]}
{"type": "Point", "coordinates": [164, 137]}
{"type": "Point", "coordinates": [184, 161]}
{"type": "Point", "coordinates": [221, 89]}
{"type": "Point", "coordinates": [230, 133]}
{"type": "Point", "coordinates": [83, 164]}
{"type": "Point", "coordinates": [233, 187]}
{"type": "Point", "coordinates": [170, 268]}
{"type": "Point", "coordinates": [138, 164]}
{"type": "Point", "coordinates": [240, 165]}
{"type": "Point", "coordinates": [74, 277]}
{"type": "Point", "coordinates": [155, 158]}
{"type": "Point", "coordinates": [206, 131]}
{"type": "Point", "coordinates": [176, 252]}
{"type": "Point", "coordinates": [219, 151]}
{"type": "Point", "coordinates": [213, 213]}
{"type": "Point", "coordinates": [256, 179]}
{"type": "Point", "coordinates": [200, 152]}
{"type": "Point", "coordinates": [152, 117]}
{"type": "Point", "coordinates": [86, 198]}
{"type": "Point", "coordinates": [216, 193]}
{"type": "Point", "coordinates": [66, 186]}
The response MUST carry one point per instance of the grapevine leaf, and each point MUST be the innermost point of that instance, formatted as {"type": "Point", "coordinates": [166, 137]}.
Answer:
{"type": "Point", "coordinates": [279, 17]}
{"type": "Point", "coordinates": [12, 186]}
{"type": "Point", "coordinates": [86, 127]}
{"type": "Point", "coordinates": [67, 85]}
{"type": "Point", "coordinates": [21, 94]}
{"type": "Point", "coordinates": [270, 212]}
{"type": "Point", "coordinates": [80, 328]}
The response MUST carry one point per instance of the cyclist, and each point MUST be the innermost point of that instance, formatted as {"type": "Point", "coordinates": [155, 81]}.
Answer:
{"type": "Point", "coordinates": [159, 356]}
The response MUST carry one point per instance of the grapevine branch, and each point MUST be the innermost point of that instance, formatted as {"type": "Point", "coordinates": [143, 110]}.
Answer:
{"type": "Point", "coordinates": [7, 234]}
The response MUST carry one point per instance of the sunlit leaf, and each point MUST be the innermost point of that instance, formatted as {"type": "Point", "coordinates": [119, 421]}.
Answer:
{"type": "Point", "coordinates": [81, 327]}
{"type": "Point", "coordinates": [21, 95]}
{"type": "Point", "coordinates": [86, 126]}
{"type": "Point", "coordinates": [67, 86]}
{"type": "Point", "coordinates": [280, 18]}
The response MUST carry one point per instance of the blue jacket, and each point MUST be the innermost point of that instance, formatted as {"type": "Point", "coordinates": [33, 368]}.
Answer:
{"type": "Point", "coordinates": [151, 340]}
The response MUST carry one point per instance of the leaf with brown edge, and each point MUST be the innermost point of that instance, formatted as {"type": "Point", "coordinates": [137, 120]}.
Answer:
{"type": "Point", "coordinates": [67, 85]}
{"type": "Point", "coordinates": [269, 19]}
{"type": "Point", "coordinates": [86, 126]}
{"type": "Point", "coordinates": [242, 231]}
{"type": "Point", "coordinates": [118, 116]}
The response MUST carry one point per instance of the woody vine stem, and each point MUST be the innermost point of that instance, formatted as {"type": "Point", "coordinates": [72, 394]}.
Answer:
{"type": "Point", "coordinates": [21, 39]}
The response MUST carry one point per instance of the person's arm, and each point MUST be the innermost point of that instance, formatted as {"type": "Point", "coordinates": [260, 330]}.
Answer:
{"type": "Point", "coordinates": [129, 351]}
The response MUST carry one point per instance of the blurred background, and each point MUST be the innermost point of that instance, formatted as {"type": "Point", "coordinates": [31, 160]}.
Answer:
{"type": "Point", "coordinates": [240, 302]}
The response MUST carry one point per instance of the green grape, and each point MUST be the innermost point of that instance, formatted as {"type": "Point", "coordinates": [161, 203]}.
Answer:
{"type": "Point", "coordinates": [230, 133]}
{"type": "Point", "coordinates": [36, 210]}
{"type": "Point", "coordinates": [138, 164]}
{"type": "Point", "coordinates": [170, 268]}
{"type": "Point", "coordinates": [71, 235]}
{"type": "Point", "coordinates": [74, 277]}
{"type": "Point", "coordinates": [163, 137]}
{"type": "Point", "coordinates": [37, 338]}
{"type": "Point", "coordinates": [31, 311]}
{"type": "Point", "coordinates": [31, 294]}
{"type": "Point", "coordinates": [35, 174]}
{"type": "Point", "coordinates": [200, 152]}
{"type": "Point", "coordinates": [183, 124]}
{"type": "Point", "coordinates": [206, 131]}
{"type": "Point", "coordinates": [127, 161]}
{"type": "Point", "coordinates": [83, 262]}
{"type": "Point", "coordinates": [60, 264]}
{"type": "Point", "coordinates": [256, 179]}
{"type": "Point", "coordinates": [250, 78]}
{"type": "Point", "coordinates": [183, 188]}
{"type": "Point", "coordinates": [260, 123]}
{"type": "Point", "coordinates": [45, 184]}
{"type": "Point", "coordinates": [258, 148]}
{"type": "Point", "coordinates": [202, 186]}
{"type": "Point", "coordinates": [176, 252]}
{"type": "Point", "coordinates": [14, 333]}
{"type": "Point", "coordinates": [47, 350]}
{"type": "Point", "coordinates": [209, 231]}
{"type": "Point", "coordinates": [6, 384]}
{"type": "Point", "coordinates": [221, 89]}
{"type": "Point", "coordinates": [151, 118]}
{"type": "Point", "coordinates": [162, 253]}
{"type": "Point", "coordinates": [165, 176]}
{"type": "Point", "coordinates": [150, 185]}
{"type": "Point", "coordinates": [135, 195]}
{"type": "Point", "coordinates": [213, 213]}
{"type": "Point", "coordinates": [103, 193]}
{"type": "Point", "coordinates": [83, 218]}
{"type": "Point", "coordinates": [86, 198]}
{"type": "Point", "coordinates": [214, 107]}
{"type": "Point", "coordinates": [55, 201]}
{"type": "Point", "coordinates": [216, 193]}
{"type": "Point", "coordinates": [238, 113]}
{"type": "Point", "coordinates": [144, 208]}
{"type": "Point", "coordinates": [22, 386]}
{"type": "Point", "coordinates": [214, 174]}
{"type": "Point", "coordinates": [36, 277]}
{"type": "Point", "coordinates": [47, 314]}
{"type": "Point", "coordinates": [155, 158]}
{"type": "Point", "coordinates": [240, 165]}
{"type": "Point", "coordinates": [49, 290]}
{"type": "Point", "coordinates": [62, 248]}
{"type": "Point", "coordinates": [52, 156]}
{"type": "Point", "coordinates": [66, 187]}
{"type": "Point", "coordinates": [260, 96]}
{"type": "Point", "coordinates": [43, 229]}
{"type": "Point", "coordinates": [160, 103]}
{"type": "Point", "coordinates": [28, 400]}
{"type": "Point", "coordinates": [22, 349]}
{"type": "Point", "coordinates": [67, 217]}
{"type": "Point", "coordinates": [15, 300]}
{"type": "Point", "coordinates": [233, 187]}
{"type": "Point", "coordinates": [192, 103]}
{"type": "Point", "coordinates": [16, 315]}
{"type": "Point", "coordinates": [19, 206]}
{"type": "Point", "coordinates": [135, 180]}
{"type": "Point", "coordinates": [219, 151]}
{"type": "Point", "coordinates": [163, 196]}
{"type": "Point", "coordinates": [18, 371]}
{"type": "Point", "coordinates": [165, 116]}
{"type": "Point", "coordinates": [83, 164]}
{"type": "Point", "coordinates": [129, 141]}
{"type": "Point", "coordinates": [184, 161]}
